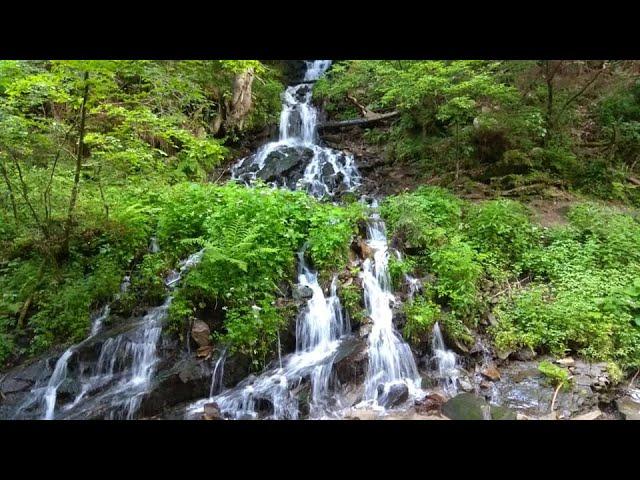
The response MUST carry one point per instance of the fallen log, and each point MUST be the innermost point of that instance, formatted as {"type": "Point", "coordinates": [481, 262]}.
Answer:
{"type": "Point", "coordinates": [358, 122]}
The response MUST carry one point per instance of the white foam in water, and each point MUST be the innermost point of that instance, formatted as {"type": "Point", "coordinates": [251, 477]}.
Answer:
{"type": "Point", "coordinates": [446, 362]}
{"type": "Point", "coordinates": [319, 329]}
{"type": "Point", "coordinates": [316, 68]}
{"type": "Point", "coordinates": [390, 358]}
{"type": "Point", "coordinates": [298, 128]}
{"type": "Point", "coordinates": [124, 368]}
{"type": "Point", "coordinates": [415, 286]}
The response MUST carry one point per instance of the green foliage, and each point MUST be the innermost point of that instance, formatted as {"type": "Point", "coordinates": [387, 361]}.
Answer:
{"type": "Point", "coordinates": [331, 230]}
{"type": "Point", "coordinates": [585, 291]}
{"type": "Point", "coordinates": [149, 125]}
{"type": "Point", "coordinates": [421, 314]}
{"type": "Point", "coordinates": [351, 300]}
{"type": "Point", "coordinates": [501, 231]}
{"type": "Point", "coordinates": [424, 217]}
{"type": "Point", "coordinates": [398, 268]}
{"type": "Point", "coordinates": [435, 99]}
{"type": "Point", "coordinates": [251, 237]}
{"type": "Point", "coordinates": [428, 224]}
{"type": "Point", "coordinates": [457, 270]}
{"type": "Point", "coordinates": [492, 119]}
{"type": "Point", "coordinates": [583, 294]}
{"type": "Point", "coordinates": [558, 375]}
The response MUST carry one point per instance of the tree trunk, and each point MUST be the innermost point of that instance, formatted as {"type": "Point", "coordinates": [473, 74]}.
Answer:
{"type": "Point", "coordinates": [76, 178]}
{"type": "Point", "coordinates": [357, 121]}
{"type": "Point", "coordinates": [241, 102]}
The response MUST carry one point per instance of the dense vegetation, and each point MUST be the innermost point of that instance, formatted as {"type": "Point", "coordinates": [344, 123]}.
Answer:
{"type": "Point", "coordinates": [501, 126]}
{"type": "Point", "coordinates": [86, 150]}
{"type": "Point", "coordinates": [569, 288]}
{"type": "Point", "coordinates": [98, 157]}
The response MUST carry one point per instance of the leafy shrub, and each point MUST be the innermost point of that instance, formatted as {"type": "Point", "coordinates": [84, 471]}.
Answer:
{"type": "Point", "coordinates": [585, 293]}
{"type": "Point", "coordinates": [351, 300]}
{"type": "Point", "coordinates": [458, 272]}
{"type": "Point", "coordinates": [423, 217]}
{"type": "Point", "coordinates": [421, 314]}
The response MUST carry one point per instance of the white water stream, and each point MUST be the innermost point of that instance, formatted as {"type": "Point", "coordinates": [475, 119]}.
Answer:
{"type": "Point", "coordinates": [390, 358]}
{"type": "Point", "coordinates": [328, 171]}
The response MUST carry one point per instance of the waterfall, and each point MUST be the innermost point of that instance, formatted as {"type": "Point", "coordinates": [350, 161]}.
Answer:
{"type": "Point", "coordinates": [48, 395]}
{"type": "Point", "coordinates": [327, 171]}
{"type": "Point", "coordinates": [415, 286]}
{"type": "Point", "coordinates": [390, 358]}
{"type": "Point", "coordinates": [120, 378]}
{"type": "Point", "coordinates": [102, 316]}
{"type": "Point", "coordinates": [218, 373]}
{"type": "Point", "coordinates": [315, 69]}
{"type": "Point", "coordinates": [319, 328]}
{"type": "Point", "coordinates": [446, 362]}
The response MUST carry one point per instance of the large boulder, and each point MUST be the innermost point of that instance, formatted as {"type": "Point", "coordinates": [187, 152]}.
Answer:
{"type": "Point", "coordinates": [200, 333]}
{"type": "Point", "coordinates": [302, 293]}
{"type": "Point", "coordinates": [186, 380]}
{"type": "Point", "coordinates": [629, 407]}
{"type": "Point", "coordinates": [392, 395]}
{"type": "Point", "coordinates": [352, 361]}
{"type": "Point", "coordinates": [467, 406]}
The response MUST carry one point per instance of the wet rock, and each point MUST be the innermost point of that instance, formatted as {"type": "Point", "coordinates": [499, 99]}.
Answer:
{"type": "Point", "coordinates": [583, 380]}
{"type": "Point", "coordinates": [485, 385]}
{"type": "Point", "coordinates": [13, 385]}
{"type": "Point", "coordinates": [362, 249]}
{"type": "Point", "coordinates": [589, 416]}
{"type": "Point", "coordinates": [351, 361]}
{"type": "Point", "coordinates": [204, 352]}
{"type": "Point", "coordinates": [566, 362]}
{"type": "Point", "coordinates": [464, 406]}
{"type": "Point", "coordinates": [365, 327]}
{"type": "Point", "coordinates": [524, 354]}
{"type": "Point", "coordinates": [465, 385]}
{"type": "Point", "coordinates": [301, 93]}
{"type": "Point", "coordinates": [285, 165]}
{"type": "Point", "coordinates": [549, 416]}
{"type": "Point", "coordinates": [212, 411]}
{"type": "Point", "coordinates": [503, 354]}
{"type": "Point", "coordinates": [187, 379]}
{"type": "Point", "coordinates": [491, 372]}
{"type": "Point", "coordinates": [69, 389]}
{"type": "Point", "coordinates": [200, 333]}
{"type": "Point", "coordinates": [431, 402]}
{"type": "Point", "coordinates": [629, 408]}
{"type": "Point", "coordinates": [392, 396]}
{"type": "Point", "coordinates": [457, 346]}
{"type": "Point", "coordinates": [467, 406]}
{"type": "Point", "coordinates": [502, 413]}
{"type": "Point", "coordinates": [302, 292]}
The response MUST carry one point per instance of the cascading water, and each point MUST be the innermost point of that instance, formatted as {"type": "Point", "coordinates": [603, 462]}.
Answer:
{"type": "Point", "coordinates": [390, 358]}
{"type": "Point", "coordinates": [218, 373]}
{"type": "Point", "coordinates": [47, 395]}
{"type": "Point", "coordinates": [415, 286]}
{"type": "Point", "coordinates": [315, 69]}
{"type": "Point", "coordinates": [319, 329]}
{"type": "Point", "coordinates": [119, 380]}
{"type": "Point", "coordinates": [446, 362]}
{"type": "Point", "coordinates": [297, 160]}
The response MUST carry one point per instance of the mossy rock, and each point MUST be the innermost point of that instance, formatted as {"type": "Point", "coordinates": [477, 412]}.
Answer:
{"type": "Point", "coordinates": [467, 406]}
